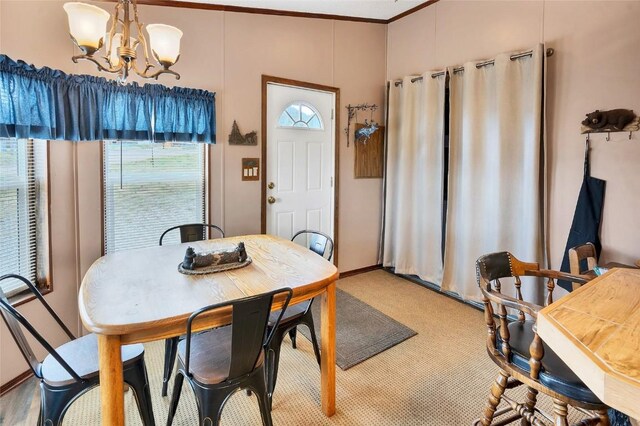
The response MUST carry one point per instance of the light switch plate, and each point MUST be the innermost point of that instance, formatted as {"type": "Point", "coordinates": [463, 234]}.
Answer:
{"type": "Point", "coordinates": [250, 169]}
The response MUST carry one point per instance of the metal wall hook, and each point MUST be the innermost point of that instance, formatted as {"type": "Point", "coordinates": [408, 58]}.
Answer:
{"type": "Point", "coordinates": [586, 144]}
{"type": "Point", "coordinates": [608, 136]}
{"type": "Point", "coordinates": [630, 135]}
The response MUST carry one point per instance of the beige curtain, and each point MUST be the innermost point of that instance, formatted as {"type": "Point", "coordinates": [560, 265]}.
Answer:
{"type": "Point", "coordinates": [414, 177]}
{"type": "Point", "coordinates": [496, 168]}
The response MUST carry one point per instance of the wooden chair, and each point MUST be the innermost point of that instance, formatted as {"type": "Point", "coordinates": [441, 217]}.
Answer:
{"type": "Point", "coordinates": [520, 353]}
{"type": "Point", "coordinates": [220, 361]}
{"type": "Point", "coordinates": [299, 314]}
{"type": "Point", "coordinates": [578, 255]}
{"type": "Point", "coordinates": [72, 369]}
{"type": "Point", "coordinates": [188, 233]}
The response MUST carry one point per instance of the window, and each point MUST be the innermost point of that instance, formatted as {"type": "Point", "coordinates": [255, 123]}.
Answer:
{"type": "Point", "coordinates": [300, 115]}
{"type": "Point", "coordinates": [24, 222]}
{"type": "Point", "coordinates": [148, 188]}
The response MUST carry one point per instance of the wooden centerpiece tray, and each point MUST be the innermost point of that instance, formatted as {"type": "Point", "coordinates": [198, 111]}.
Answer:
{"type": "Point", "coordinates": [214, 261]}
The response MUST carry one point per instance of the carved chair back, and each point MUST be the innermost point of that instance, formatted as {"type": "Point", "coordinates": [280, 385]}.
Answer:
{"type": "Point", "coordinates": [490, 269]}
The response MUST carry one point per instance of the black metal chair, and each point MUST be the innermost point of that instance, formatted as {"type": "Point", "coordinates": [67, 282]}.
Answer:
{"type": "Point", "coordinates": [72, 369]}
{"type": "Point", "coordinates": [299, 314]}
{"type": "Point", "coordinates": [520, 353]}
{"type": "Point", "coordinates": [223, 360]}
{"type": "Point", "coordinates": [188, 233]}
{"type": "Point", "coordinates": [193, 232]}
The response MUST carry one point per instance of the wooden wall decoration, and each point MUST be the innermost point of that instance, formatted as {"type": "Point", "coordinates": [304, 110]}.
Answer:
{"type": "Point", "coordinates": [250, 169]}
{"type": "Point", "coordinates": [237, 138]}
{"type": "Point", "coordinates": [369, 156]}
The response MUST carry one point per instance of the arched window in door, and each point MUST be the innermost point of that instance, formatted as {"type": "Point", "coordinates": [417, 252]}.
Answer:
{"type": "Point", "coordinates": [300, 115]}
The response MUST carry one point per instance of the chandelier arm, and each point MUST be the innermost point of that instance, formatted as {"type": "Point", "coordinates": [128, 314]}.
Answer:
{"type": "Point", "coordinates": [101, 67]}
{"type": "Point", "coordinates": [156, 74]}
{"type": "Point", "coordinates": [142, 39]}
{"type": "Point", "coordinates": [112, 33]}
{"type": "Point", "coordinates": [147, 67]}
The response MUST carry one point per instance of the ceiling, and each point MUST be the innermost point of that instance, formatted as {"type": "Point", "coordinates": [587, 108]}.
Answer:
{"type": "Point", "coordinates": [369, 9]}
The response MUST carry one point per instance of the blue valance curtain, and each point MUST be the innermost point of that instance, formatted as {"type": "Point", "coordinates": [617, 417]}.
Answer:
{"type": "Point", "coordinates": [43, 103]}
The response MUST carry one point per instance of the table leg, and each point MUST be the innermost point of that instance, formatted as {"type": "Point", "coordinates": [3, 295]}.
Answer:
{"type": "Point", "coordinates": [111, 380]}
{"type": "Point", "coordinates": [328, 350]}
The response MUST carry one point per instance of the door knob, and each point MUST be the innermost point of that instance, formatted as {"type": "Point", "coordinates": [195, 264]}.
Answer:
{"type": "Point", "coordinates": [271, 200]}
{"type": "Point", "coordinates": [271, 185]}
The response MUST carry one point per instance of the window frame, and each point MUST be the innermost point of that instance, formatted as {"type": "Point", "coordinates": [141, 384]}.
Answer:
{"type": "Point", "coordinates": [293, 127]}
{"type": "Point", "coordinates": [206, 162]}
{"type": "Point", "coordinates": [43, 283]}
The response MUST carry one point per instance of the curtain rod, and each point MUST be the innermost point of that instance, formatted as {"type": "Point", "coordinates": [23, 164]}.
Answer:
{"type": "Point", "coordinates": [550, 51]}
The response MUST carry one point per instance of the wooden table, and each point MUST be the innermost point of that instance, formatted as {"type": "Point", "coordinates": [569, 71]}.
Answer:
{"type": "Point", "coordinates": [139, 296]}
{"type": "Point", "coordinates": [596, 332]}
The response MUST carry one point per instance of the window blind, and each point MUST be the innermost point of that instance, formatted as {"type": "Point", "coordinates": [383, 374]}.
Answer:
{"type": "Point", "coordinates": [22, 187]}
{"type": "Point", "coordinates": [148, 188]}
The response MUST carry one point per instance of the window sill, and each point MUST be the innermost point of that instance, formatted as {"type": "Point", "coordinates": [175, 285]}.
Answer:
{"type": "Point", "coordinates": [26, 296]}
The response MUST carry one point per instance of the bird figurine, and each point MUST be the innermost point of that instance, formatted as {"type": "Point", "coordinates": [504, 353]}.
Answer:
{"type": "Point", "coordinates": [363, 134]}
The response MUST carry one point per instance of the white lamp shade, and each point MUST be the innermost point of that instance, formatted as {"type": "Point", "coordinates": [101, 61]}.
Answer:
{"type": "Point", "coordinates": [165, 42]}
{"type": "Point", "coordinates": [87, 23]}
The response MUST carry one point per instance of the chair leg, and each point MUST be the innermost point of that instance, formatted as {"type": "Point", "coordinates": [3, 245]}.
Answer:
{"type": "Point", "coordinates": [265, 409]}
{"type": "Point", "coordinates": [136, 377]}
{"type": "Point", "coordinates": [292, 336]}
{"type": "Point", "coordinates": [264, 399]}
{"type": "Point", "coordinates": [308, 321]}
{"type": "Point", "coordinates": [170, 351]}
{"type": "Point", "coordinates": [273, 359]}
{"type": "Point", "coordinates": [54, 402]}
{"type": "Point", "coordinates": [530, 403]}
{"type": "Point", "coordinates": [604, 418]}
{"type": "Point", "coordinates": [41, 414]}
{"type": "Point", "coordinates": [175, 397]}
{"type": "Point", "coordinates": [560, 413]}
{"type": "Point", "coordinates": [497, 389]}
{"type": "Point", "coordinates": [210, 404]}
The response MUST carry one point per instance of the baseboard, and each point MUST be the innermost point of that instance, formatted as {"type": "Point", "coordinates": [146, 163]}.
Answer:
{"type": "Point", "coordinates": [430, 286]}
{"type": "Point", "coordinates": [15, 382]}
{"type": "Point", "coordinates": [353, 272]}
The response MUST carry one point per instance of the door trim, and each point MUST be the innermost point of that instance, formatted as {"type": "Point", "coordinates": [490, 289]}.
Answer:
{"type": "Point", "coordinates": [266, 79]}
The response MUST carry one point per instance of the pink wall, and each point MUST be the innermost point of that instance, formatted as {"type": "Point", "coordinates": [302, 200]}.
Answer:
{"type": "Point", "coordinates": [228, 52]}
{"type": "Point", "coordinates": [596, 66]}
{"type": "Point", "coordinates": [222, 52]}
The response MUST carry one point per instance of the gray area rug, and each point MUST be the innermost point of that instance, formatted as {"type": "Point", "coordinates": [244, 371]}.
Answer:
{"type": "Point", "coordinates": [361, 330]}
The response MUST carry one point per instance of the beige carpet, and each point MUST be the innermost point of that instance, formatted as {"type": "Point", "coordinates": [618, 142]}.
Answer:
{"type": "Point", "coordinates": [441, 377]}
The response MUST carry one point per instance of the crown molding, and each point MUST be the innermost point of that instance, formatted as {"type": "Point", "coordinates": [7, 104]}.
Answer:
{"type": "Point", "coordinates": [276, 12]}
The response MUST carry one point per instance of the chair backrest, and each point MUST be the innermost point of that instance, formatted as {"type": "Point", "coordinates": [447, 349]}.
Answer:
{"type": "Point", "coordinates": [502, 265]}
{"type": "Point", "coordinates": [16, 322]}
{"type": "Point", "coordinates": [249, 319]}
{"type": "Point", "coordinates": [193, 232]}
{"type": "Point", "coordinates": [316, 241]}
{"type": "Point", "coordinates": [582, 258]}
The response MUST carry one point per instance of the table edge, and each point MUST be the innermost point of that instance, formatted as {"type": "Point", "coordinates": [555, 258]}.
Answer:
{"type": "Point", "coordinates": [299, 294]}
{"type": "Point", "coordinates": [545, 322]}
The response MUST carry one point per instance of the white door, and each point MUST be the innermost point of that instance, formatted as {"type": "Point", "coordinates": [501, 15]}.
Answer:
{"type": "Point", "coordinates": [300, 160]}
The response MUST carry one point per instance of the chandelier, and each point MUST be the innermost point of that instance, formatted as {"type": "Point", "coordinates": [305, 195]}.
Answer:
{"type": "Point", "coordinates": [88, 28]}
